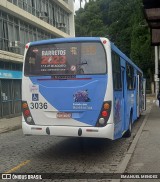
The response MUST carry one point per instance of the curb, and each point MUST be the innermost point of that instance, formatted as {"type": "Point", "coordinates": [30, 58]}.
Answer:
{"type": "Point", "coordinates": [122, 167]}
{"type": "Point", "coordinates": [6, 130]}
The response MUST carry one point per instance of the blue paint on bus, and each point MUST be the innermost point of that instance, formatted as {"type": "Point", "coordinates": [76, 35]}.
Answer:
{"type": "Point", "coordinates": [61, 95]}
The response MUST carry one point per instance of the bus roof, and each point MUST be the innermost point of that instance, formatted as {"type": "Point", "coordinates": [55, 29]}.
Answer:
{"type": "Point", "coordinates": [70, 39]}
{"type": "Point", "coordinates": [84, 39]}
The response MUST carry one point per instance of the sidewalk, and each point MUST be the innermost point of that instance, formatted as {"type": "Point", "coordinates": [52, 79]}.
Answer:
{"type": "Point", "coordinates": [146, 156]}
{"type": "Point", "coordinates": [143, 156]}
{"type": "Point", "coordinates": [10, 124]}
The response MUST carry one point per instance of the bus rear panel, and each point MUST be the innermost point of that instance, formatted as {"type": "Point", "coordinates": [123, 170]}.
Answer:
{"type": "Point", "coordinates": [64, 89]}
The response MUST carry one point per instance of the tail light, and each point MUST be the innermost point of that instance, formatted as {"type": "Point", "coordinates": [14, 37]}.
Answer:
{"type": "Point", "coordinates": [104, 114]}
{"type": "Point", "coordinates": [27, 114]}
{"type": "Point", "coordinates": [27, 46]}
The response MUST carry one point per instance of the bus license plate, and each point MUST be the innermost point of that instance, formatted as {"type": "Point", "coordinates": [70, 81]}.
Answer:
{"type": "Point", "coordinates": [64, 115]}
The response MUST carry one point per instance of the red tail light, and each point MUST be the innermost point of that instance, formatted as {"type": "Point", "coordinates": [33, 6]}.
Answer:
{"type": "Point", "coordinates": [104, 113]}
{"type": "Point", "coordinates": [27, 113]}
{"type": "Point", "coordinates": [27, 46]}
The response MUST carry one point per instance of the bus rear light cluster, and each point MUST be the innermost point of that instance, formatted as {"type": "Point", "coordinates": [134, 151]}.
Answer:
{"type": "Point", "coordinates": [27, 114]}
{"type": "Point", "coordinates": [104, 114]}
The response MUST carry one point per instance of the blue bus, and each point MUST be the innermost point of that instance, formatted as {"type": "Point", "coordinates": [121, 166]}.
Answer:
{"type": "Point", "coordinates": [80, 87]}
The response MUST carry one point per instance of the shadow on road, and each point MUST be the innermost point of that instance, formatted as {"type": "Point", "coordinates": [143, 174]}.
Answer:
{"type": "Point", "coordinates": [71, 149]}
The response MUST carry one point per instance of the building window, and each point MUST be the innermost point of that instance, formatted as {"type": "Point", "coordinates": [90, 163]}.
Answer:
{"type": "Point", "coordinates": [14, 34]}
{"type": "Point", "coordinates": [46, 10]}
{"type": "Point", "coordinates": [4, 65]}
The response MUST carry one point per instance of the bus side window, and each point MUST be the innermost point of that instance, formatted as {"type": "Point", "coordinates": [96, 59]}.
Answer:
{"type": "Point", "coordinates": [130, 77]}
{"type": "Point", "coordinates": [116, 68]}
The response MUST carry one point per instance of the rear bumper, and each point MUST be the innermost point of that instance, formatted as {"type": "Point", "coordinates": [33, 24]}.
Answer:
{"type": "Point", "coordinates": [105, 132]}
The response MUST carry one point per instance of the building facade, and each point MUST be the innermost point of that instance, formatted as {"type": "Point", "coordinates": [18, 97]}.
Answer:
{"type": "Point", "coordinates": [23, 21]}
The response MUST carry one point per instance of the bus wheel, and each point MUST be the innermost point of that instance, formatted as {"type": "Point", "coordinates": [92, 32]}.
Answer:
{"type": "Point", "coordinates": [129, 131]}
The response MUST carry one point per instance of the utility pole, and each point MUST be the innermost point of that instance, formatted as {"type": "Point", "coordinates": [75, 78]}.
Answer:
{"type": "Point", "coordinates": [156, 79]}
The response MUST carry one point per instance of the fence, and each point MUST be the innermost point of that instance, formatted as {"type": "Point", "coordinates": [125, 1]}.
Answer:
{"type": "Point", "coordinates": [10, 100]}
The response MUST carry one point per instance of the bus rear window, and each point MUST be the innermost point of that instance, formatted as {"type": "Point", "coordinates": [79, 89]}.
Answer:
{"type": "Point", "coordinates": [66, 59]}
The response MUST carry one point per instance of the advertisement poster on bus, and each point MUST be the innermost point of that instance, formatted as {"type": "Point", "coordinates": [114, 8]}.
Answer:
{"type": "Point", "coordinates": [53, 60]}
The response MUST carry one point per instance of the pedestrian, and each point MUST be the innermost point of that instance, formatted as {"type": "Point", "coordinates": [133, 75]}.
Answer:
{"type": "Point", "coordinates": [158, 97]}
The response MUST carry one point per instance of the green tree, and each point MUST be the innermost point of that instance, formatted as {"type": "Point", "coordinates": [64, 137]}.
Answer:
{"type": "Point", "coordinates": [141, 51]}
{"type": "Point", "coordinates": [123, 22]}
{"type": "Point", "coordinates": [89, 21]}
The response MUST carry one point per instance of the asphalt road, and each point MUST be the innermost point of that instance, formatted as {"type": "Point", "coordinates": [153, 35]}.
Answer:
{"type": "Point", "coordinates": [49, 154]}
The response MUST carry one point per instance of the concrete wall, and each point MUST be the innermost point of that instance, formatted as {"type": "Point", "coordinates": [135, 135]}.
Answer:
{"type": "Point", "coordinates": [4, 55]}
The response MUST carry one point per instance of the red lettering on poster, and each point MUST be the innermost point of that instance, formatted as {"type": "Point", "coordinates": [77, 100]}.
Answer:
{"type": "Point", "coordinates": [53, 60]}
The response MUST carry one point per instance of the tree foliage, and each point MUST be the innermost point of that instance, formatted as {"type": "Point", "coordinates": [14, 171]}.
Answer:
{"type": "Point", "coordinates": [123, 22]}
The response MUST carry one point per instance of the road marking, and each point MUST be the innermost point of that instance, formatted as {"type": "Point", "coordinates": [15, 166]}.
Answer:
{"type": "Point", "coordinates": [18, 166]}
